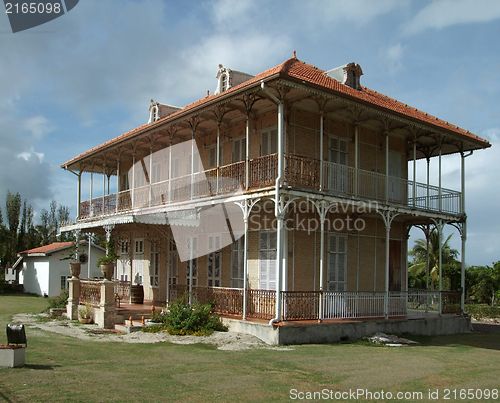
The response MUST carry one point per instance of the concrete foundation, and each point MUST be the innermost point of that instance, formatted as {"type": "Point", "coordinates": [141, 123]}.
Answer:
{"type": "Point", "coordinates": [12, 356]}
{"type": "Point", "coordinates": [334, 332]}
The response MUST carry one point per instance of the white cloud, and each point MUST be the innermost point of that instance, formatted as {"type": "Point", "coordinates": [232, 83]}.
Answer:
{"type": "Point", "coordinates": [392, 57]}
{"type": "Point", "coordinates": [26, 155]}
{"type": "Point", "coordinates": [358, 12]}
{"type": "Point", "coordinates": [230, 14]}
{"type": "Point", "coordinates": [38, 126]}
{"type": "Point", "coordinates": [445, 13]}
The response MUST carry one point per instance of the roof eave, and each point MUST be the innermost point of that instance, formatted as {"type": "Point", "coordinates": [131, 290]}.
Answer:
{"type": "Point", "coordinates": [233, 92]}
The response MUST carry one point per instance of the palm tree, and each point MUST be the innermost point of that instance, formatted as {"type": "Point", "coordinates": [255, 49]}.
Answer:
{"type": "Point", "coordinates": [419, 253]}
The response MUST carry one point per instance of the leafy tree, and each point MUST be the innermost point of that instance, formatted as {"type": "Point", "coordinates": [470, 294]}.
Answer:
{"type": "Point", "coordinates": [419, 253]}
{"type": "Point", "coordinates": [483, 283]}
{"type": "Point", "coordinates": [13, 205]}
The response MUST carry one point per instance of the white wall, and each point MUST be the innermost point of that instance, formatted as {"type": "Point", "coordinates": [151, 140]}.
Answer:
{"type": "Point", "coordinates": [42, 274]}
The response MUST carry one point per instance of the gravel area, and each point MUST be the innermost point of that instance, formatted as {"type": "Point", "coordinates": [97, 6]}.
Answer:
{"type": "Point", "coordinates": [223, 340]}
{"type": "Point", "coordinates": [486, 325]}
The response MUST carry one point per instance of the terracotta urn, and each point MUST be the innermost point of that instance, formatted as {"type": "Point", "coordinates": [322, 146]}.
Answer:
{"type": "Point", "coordinates": [75, 269]}
{"type": "Point", "coordinates": [107, 270]}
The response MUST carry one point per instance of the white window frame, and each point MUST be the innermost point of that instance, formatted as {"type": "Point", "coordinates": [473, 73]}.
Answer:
{"type": "Point", "coordinates": [214, 262]}
{"type": "Point", "coordinates": [156, 172]}
{"type": "Point", "coordinates": [154, 264]}
{"type": "Point", "coordinates": [338, 153]}
{"type": "Point", "coordinates": [269, 141]}
{"type": "Point", "coordinates": [138, 264]}
{"type": "Point", "coordinates": [238, 263]}
{"type": "Point", "coordinates": [124, 261]}
{"type": "Point", "coordinates": [337, 261]}
{"type": "Point", "coordinates": [174, 265]}
{"type": "Point", "coordinates": [239, 149]}
{"type": "Point", "coordinates": [64, 282]}
{"type": "Point", "coordinates": [193, 262]}
{"type": "Point", "coordinates": [267, 259]}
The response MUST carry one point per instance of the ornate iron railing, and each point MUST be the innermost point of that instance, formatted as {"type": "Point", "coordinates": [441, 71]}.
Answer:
{"type": "Point", "coordinates": [305, 305]}
{"type": "Point", "coordinates": [122, 289]}
{"type": "Point", "coordinates": [261, 304]}
{"type": "Point", "coordinates": [299, 171]}
{"type": "Point", "coordinates": [90, 292]}
{"type": "Point", "coordinates": [300, 305]}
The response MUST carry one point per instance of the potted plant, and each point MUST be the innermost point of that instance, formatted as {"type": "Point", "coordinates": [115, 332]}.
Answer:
{"type": "Point", "coordinates": [85, 314]}
{"type": "Point", "coordinates": [75, 267]}
{"type": "Point", "coordinates": [107, 263]}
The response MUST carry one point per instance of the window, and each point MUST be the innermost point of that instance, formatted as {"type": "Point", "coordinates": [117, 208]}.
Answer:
{"type": "Point", "coordinates": [124, 184]}
{"type": "Point", "coordinates": [156, 173]}
{"type": "Point", "coordinates": [214, 266]}
{"type": "Point", "coordinates": [267, 260]}
{"type": "Point", "coordinates": [154, 267]}
{"type": "Point", "coordinates": [224, 84]}
{"type": "Point", "coordinates": [192, 265]}
{"type": "Point", "coordinates": [138, 263]}
{"type": "Point", "coordinates": [239, 149]}
{"type": "Point", "coordinates": [64, 282]}
{"type": "Point", "coordinates": [337, 262]}
{"type": "Point", "coordinates": [212, 156]}
{"type": "Point", "coordinates": [269, 142]}
{"type": "Point", "coordinates": [338, 178]}
{"type": "Point", "coordinates": [174, 264]}
{"type": "Point", "coordinates": [140, 176]}
{"type": "Point", "coordinates": [124, 261]}
{"type": "Point", "coordinates": [237, 262]}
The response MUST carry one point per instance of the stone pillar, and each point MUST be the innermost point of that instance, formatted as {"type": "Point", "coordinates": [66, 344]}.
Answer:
{"type": "Point", "coordinates": [106, 316]}
{"type": "Point", "coordinates": [73, 299]}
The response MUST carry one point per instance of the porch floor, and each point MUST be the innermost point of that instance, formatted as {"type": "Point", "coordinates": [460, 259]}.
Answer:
{"type": "Point", "coordinates": [139, 310]}
{"type": "Point", "coordinates": [328, 331]}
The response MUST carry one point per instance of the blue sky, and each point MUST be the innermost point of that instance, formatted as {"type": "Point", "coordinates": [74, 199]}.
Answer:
{"type": "Point", "coordinates": [88, 76]}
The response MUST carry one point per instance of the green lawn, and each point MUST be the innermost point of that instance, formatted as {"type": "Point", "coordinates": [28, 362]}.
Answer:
{"type": "Point", "coordinates": [64, 369]}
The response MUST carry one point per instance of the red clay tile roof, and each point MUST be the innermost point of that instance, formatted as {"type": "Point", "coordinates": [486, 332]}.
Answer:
{"type": "Point", "coordinates": [310, 74]}
{"type": "Point", "coordinates": [47, 248]}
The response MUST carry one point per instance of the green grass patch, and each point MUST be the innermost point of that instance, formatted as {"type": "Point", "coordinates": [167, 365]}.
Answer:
{"type": "Point", "coordinates": [64, 369]}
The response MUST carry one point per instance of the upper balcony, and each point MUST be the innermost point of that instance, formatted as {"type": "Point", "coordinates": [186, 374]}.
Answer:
{"type": "Point", "coordinates": [301, 173]}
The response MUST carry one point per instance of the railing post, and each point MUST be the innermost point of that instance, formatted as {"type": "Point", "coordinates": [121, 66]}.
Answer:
{"type": "Point", "coordinates": [74, 298]}
{"type": "Point", "coordinates": [106, 315]}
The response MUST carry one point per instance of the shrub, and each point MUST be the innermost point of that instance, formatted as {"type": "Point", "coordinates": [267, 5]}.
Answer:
{"type": "Point", "coordinates": [60, 301]}
{"type": "Point", "coordinates": [184, 319]}
{"type": "Point", "coordinates": [483, 311]}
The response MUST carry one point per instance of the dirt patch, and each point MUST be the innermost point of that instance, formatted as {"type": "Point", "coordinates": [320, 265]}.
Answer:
{"type": "Point", "coordinates": [223, 340]}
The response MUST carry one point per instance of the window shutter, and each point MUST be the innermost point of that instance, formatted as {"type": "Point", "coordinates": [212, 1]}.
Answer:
{"type": "Point", "coordinates": [237, 150]}
{"type": "Point", "coordinates": [273, 146]}
{"type": "Point", "coordinates": [212, 157]}
{"type": "Point", "coordinates": [264, 144]}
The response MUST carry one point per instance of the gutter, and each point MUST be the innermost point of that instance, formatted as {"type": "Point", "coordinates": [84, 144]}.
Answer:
{"type": "Point", "coordinates": [279, 179]}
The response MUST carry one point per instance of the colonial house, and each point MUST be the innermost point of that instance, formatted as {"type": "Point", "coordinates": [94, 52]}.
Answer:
{"type": "Point", "coordinates": [283, 196]}
{"type": "Point", "coordinates": [45, 270]}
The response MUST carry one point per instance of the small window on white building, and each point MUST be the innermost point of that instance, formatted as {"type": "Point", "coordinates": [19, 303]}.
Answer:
{"type": "Point", "coordinates": [64, 282]}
